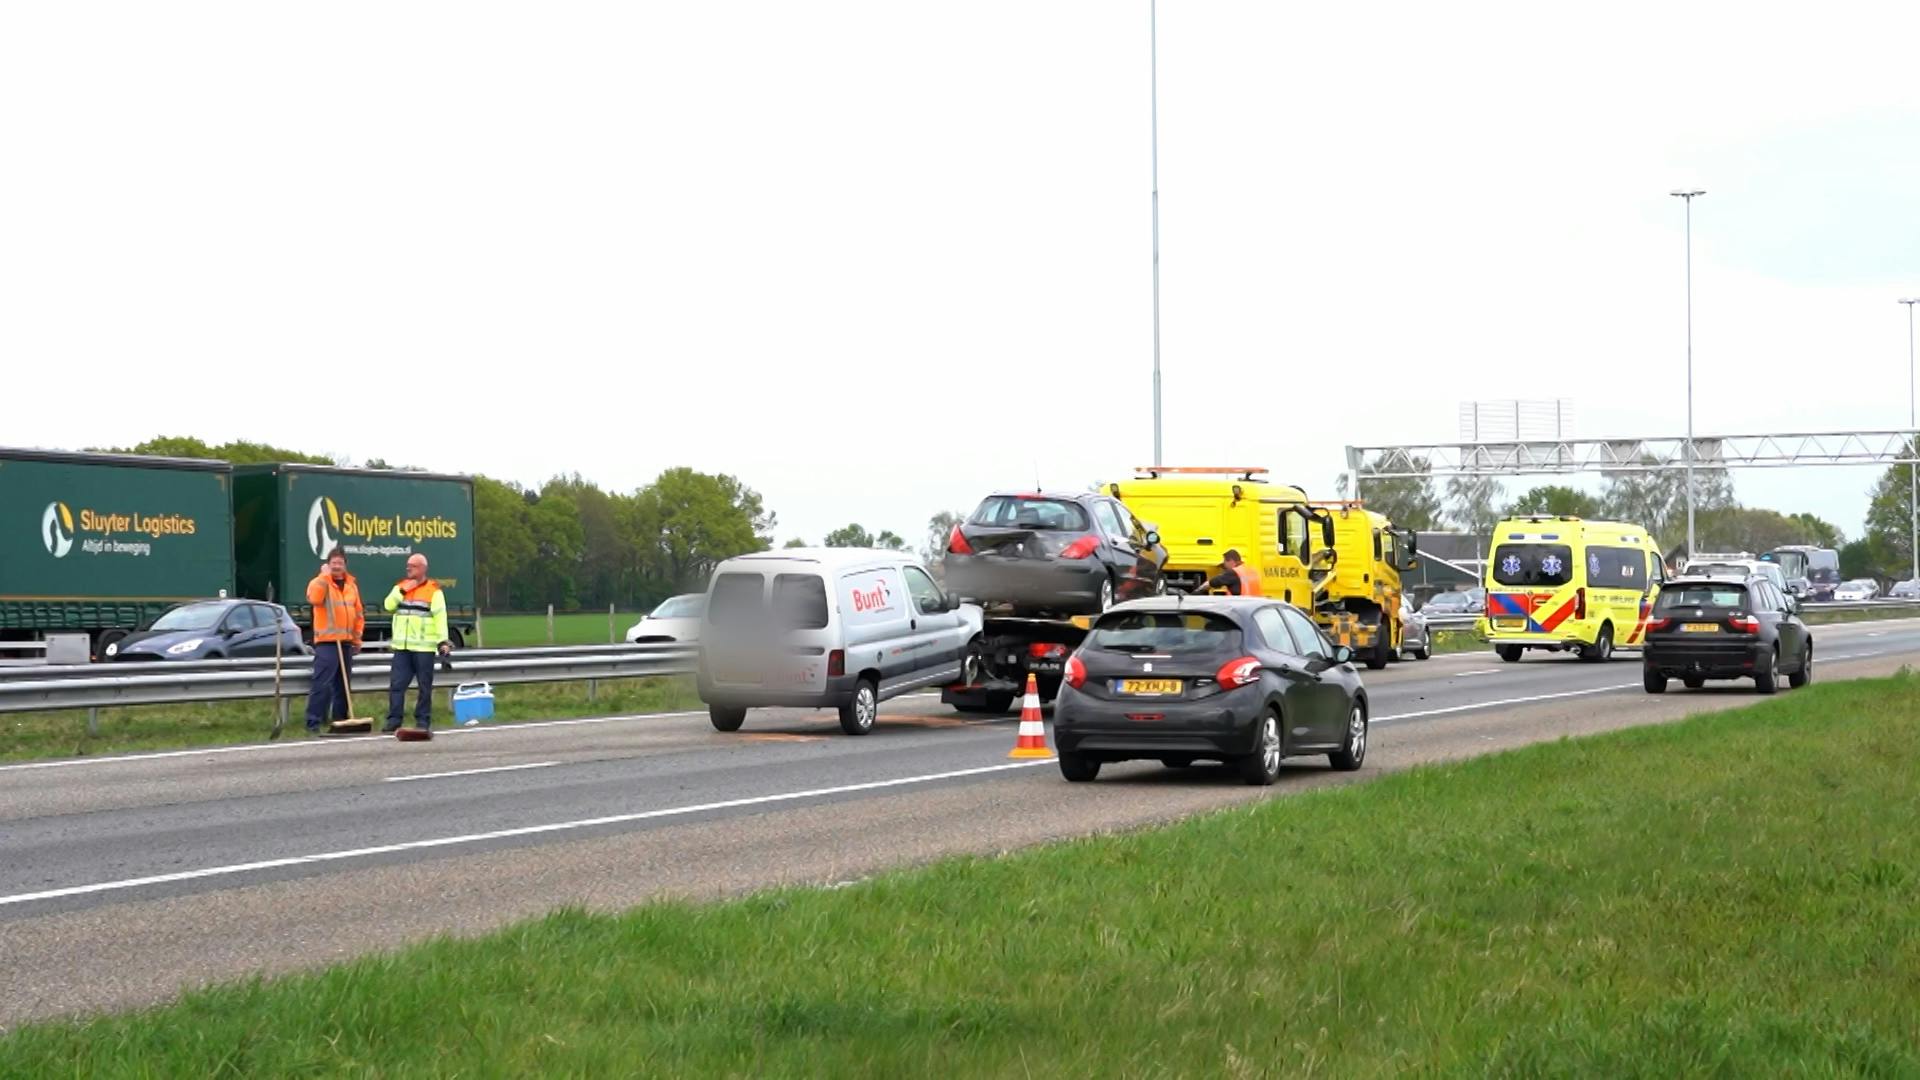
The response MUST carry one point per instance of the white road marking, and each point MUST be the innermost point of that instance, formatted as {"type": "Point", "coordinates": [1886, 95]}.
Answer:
{"type": "Point", "coordinates": [1483, 671]}
{"type": "Point", "coordinates": [499, 834]}
{"type": "Point", "coordinates": [1504, 701]}
{"type": "Point", "coordinates": [470, 772]}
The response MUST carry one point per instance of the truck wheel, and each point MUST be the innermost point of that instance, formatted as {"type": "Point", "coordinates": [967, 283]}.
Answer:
{"type": "Point", "coordinates": [1509, 653]}
{"type": "Point", "coordinates": [726, 718]}
{"type": "Point", "coordinates": [459, 639]}
{"type": "Point", "coordinates": [107, 637]}
{"type": "Point", "coordinates": [856, 716]}
{"type": "Point", "coordinates": [1382, 651]}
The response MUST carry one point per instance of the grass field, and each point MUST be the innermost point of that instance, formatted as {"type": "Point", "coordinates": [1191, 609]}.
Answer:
{"type": "Point", "coordinates": [577, 628]}
{"type": "Point", "coordinates": [214, 723]}
{"type": "Point", "coordinates": [1731, 896]}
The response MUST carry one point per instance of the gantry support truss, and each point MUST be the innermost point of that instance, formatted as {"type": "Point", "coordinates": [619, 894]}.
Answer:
{"type": "Point", "coordinates": [1566, 456]}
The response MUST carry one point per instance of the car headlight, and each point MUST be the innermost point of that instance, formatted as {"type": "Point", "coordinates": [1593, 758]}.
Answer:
{"type": "Point", "coordinates": [113, 649]}
{"type": "Point", "coordinates": [185, 646]}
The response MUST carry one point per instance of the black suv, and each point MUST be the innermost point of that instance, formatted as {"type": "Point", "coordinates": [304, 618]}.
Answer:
{"type": "Point", "coordinates": [1717, 628]}
{"type": "Point", "coordinates": [1045, 553]}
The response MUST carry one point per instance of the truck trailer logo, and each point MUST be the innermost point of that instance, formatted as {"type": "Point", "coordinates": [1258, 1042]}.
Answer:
{"type": "Point", "coordinates": [56, 529]}
{"type": "Point", "coordinates": [323, 524]}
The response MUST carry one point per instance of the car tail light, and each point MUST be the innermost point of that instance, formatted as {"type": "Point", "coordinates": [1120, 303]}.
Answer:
{"type": "Point", "coordinates": [836, 663]}
{"type": "Point", "coordinates": [1658, 624]}
{"type": "Point", "coordinates": [1080, 548]}
{"type": "Point", "coordinates": [1579, 603]}
{"type": "Point", "coordinates": [957, 543]}
{"type": "Point", "coordinates": [1041, 650]}
{"type": "Point", "coordinates": [1746, 624]}
{"type": "Point", "coordinates": [1235, 674]}
{"type": "Point", "coordinates": [1076, 672]}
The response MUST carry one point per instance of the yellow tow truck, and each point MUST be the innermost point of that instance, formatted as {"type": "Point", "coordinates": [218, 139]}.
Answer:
{"type": "Point", "coordinates": [1337, 561]}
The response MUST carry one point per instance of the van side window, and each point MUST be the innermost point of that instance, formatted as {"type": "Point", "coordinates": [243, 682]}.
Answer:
{"type": "Point", "coordinates": [926, 595]}
{"type": "Point", "coordinates": [800, 601]}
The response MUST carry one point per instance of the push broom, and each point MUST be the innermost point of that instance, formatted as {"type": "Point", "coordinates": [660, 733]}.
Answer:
{"type": "Point", "coordinates": [354, 725]}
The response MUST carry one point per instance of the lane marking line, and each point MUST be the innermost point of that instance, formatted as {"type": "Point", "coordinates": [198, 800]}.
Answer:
{"type": "Point", "coordinates": [501, 834]}
{"type": "Point", "coordinates": [1506, 701]}
{"type": "Point", "coordinates": [471, 772]}
{"type": "Point", "coordinates": [1484, 671]}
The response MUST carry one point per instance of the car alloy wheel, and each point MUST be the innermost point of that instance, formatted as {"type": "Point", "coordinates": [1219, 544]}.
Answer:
{"type": "Point", "coordinates": [1106, 594]}
{"type": "Point", "coordinates": [1270, 744]}
{"type": "Point", "coordinates": [1357, 734]}
{"type": "Point", "coordinates": [857, 715]}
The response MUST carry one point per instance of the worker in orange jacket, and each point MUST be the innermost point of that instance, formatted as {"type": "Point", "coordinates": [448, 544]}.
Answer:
{"type": "Point", "coordinates": [339, 626]}
{"type": "Point", "coordinates": [1238, 579]}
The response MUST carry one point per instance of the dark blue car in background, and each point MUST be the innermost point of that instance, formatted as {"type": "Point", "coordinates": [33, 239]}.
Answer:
{"type": "Point", "coordinates": [213, 630]}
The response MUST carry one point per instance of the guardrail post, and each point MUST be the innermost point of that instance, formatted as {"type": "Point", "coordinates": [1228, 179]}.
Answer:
{"type": "Point", "coordinates": [593, 689]}
{"type": "Point", "coordinates": [479, 629]}
{"type": "Point", "coordinates": [549, 624]}
{"type": "Point", "coordinates": [611, 639]}
{"type": "Point", "coordinates": [93, 721]}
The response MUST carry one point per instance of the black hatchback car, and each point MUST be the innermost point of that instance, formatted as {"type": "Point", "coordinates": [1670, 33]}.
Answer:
{"type": "Point", "coordinates": [1705, 628]}
{"type": "Point", "coordinates": [1053, 554]}
{"type": "Point", "coordinates": [212, 630]}
{"type": "Point", "coordinates": [1244, 680]}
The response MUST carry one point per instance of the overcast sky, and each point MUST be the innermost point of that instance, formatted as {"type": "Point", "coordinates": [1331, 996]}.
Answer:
{"type": "Point", "coordinates": [879, 258]}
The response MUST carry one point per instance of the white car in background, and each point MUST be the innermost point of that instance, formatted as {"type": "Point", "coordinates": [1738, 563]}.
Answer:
{"type": "Point", "coordinates": [676, 619]}
{"type": "Point", "coordinates": [1905, 590]}
{"type": "Point", "coordinates": [1856, 590]}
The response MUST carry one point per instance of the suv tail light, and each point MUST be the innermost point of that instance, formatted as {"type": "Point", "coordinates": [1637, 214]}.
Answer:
{"type": "Point", "coordinates": [957, 543]}
{"type": "Point", "coordinates": [836, 663]}
{"type": "Point", "coordinates": [1746, 624]}
{"type": "Point", "coordinates": [1076, 672]}
{"type": "Point", "coordinates": [1580, 603]}
{"type": "Point", "coordinates": [1080, 548]}
{"type": "Point", "coordinates": [1654, 625]}
{"type": "Point", "coordinates": [1041, 650]}
{"type": "Point", "coordinates": [1235, 674]}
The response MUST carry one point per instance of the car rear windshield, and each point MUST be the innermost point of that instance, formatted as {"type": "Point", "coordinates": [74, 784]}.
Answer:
{"type": "Point", "coordinates": [737, 600]}
{"type": "Point", "coordinates": [1172, 632]}
{"type": "Point", "coordinates": [1533, 564]}
{"type": "Point", "coordinates": [1030, 512]}
{"type": "Point", "coordinates": [800, 601]}
{"type": "Point", "coordinates": [1691, 596]}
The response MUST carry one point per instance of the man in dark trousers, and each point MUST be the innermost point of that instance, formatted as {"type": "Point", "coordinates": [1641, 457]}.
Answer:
{"type": "Point", "coordinates": [339, 625]}
{"type": "Point", "coordinates": [419, 634]}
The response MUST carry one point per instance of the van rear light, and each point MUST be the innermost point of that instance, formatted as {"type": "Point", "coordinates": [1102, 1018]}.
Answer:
{"type": "Point", "coordinates": [1746, 624]}
{"type": "Point", "coordinates": [1579, 603]}
{"type": "Point", "coordinates": [1076, 672]}
{"type": "Point", "coordinates": [957, 543]}
{"type": "Point", "coordinates": [1080, 548]}
{"type": "Point", "coordinates": [1041, 650]}
{"type": "Point", "coordinates": [836, 663]}
{"type": "Point", "coordinates": [1235, 674]}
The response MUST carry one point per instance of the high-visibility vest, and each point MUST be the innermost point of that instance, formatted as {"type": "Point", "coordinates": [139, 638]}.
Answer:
{"type": "Point", "coordinates": [1249, 580]}
{"type": "Point", "coordinates": [338, 614]}
{"type": "Point", "coordinates": [419, 616]}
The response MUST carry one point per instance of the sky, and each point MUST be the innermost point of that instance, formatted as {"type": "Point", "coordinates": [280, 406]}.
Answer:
{"type": "Point", "coordinates": [878, 259]}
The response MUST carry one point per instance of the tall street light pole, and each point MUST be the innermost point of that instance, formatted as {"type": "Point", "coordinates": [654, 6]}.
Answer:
{"type": "Point", "coordinates": [1689, 196]}
{"type": "Point", "coordinates": [1913, 471]}
{"type": "Point", "coordinates": [1153, 69]}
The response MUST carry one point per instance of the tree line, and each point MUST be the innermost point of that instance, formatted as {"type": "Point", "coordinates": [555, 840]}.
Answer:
{"type": "Point", "coordinates": [1657, 500]}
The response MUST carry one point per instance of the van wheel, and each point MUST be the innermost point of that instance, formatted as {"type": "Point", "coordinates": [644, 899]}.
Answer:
{"type": "Point", "coordinates": [856, 716]}
{"type": "Point", "coordinates": [1803, 676]}
{"type": "Point", "coordinates": [1509, 653]}
{"type": "Point", "coordinates": [1601, 650]}
{"type": "Point", "coordinates": [724, 718]}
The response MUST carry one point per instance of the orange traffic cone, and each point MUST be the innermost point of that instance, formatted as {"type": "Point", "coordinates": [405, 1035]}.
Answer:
{"type": "Point", "coordinates": [1033, 731]}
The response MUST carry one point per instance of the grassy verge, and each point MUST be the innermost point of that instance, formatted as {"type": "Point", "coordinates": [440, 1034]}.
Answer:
{"type": "Point", "coordinates": [577, 628]}
{"type": "Point", "coordinates": [63, 733]}
{"type": "Point", "coordinates": [1732, 895]}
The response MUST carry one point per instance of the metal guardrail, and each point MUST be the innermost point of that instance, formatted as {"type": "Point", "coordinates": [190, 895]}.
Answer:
{"type": "Point", "coordinates": [91, 686]}
{"type": "Point", "coordinates": [1465, 622]}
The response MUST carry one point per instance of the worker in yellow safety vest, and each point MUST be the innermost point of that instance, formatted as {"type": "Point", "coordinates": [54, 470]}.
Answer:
{"type": "Point", "coordinates": [419, 612]}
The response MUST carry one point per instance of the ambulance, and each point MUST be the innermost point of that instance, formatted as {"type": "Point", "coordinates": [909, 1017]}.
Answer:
{"type": "Point", "coordinates": [1561, 583]}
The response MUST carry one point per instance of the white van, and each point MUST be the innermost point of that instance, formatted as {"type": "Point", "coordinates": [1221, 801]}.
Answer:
{"type": "Point", "coordinates": [842, 628]}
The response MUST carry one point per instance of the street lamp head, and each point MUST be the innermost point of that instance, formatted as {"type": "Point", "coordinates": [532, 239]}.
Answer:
{"type": "Point", "coordinates": [1909, 303]}
{"type": "Point", "coordinates": [1685, 194]}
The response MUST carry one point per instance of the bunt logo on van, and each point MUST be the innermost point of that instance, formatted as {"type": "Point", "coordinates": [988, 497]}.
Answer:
{"type": "Point", "coordinates": [874, 599]}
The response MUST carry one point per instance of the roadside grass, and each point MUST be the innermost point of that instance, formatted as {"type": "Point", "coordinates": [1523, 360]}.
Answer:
{"type": "Point", "coordinates": [63, 733]}
{"type": "Point", "coordinates": [573, 628]}
{"type": "Point", "coordinates": [1730, 895]}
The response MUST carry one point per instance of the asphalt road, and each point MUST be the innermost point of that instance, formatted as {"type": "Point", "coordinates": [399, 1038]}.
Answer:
{"type": "Point", "coordinates": [124, 880]}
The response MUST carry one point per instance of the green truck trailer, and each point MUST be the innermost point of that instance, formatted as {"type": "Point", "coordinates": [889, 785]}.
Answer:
{"type": "Point", "coordinates": [287, 517]}
{"type": "Point", "coordinates": [103, 543]}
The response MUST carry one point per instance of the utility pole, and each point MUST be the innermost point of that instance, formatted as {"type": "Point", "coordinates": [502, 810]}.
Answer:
{"type": "Point", "coordinates": [1689, 196]}
{"type": "Point", "coordinates": [1913, 471]}
{"type": "Point", "coordinates": [1153, 70]}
